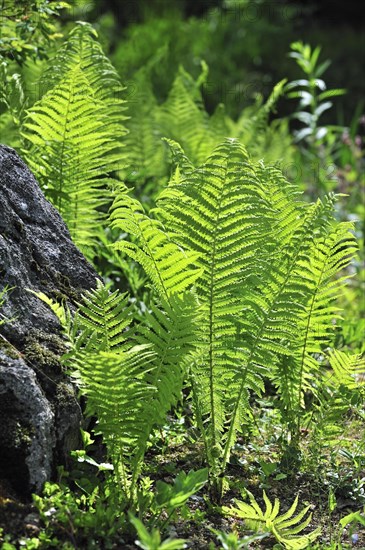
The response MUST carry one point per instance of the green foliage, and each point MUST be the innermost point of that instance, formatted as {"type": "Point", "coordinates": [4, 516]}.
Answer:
{"type": "Point", "coordinates": [146, 153]}
{"type": "Point", "coordinates": [314, 104]}
{"type": "Point", "coordinates": [262, 253]}
{"type": "Point", "coordinates": [319, 142]}
{"type": "Point", "coordinates": [80, 519]}
{"type": "Point", "coordinates": [131, 378]}
{"type": "Point", "coordinates": [69, 154]}
{"type": "Point", "coordinates": [183, 118]}
{"type": "Point", "coordinates": [11, 93]}
{"type": "Point", "coordinates": [346, 369]}
{"type": "Point", "coordinates": [28, 28]}
{"type": "Point", "coordinates": [167, 265]}
{"type": "Point", "coordinates": [237, 285]}
{"type": "Point", "coordinates": [3, 293]}
{"type": "Point", "coordinates": [73, 136]}
{"type": "Point", "coordinates": [231, 541]}
{"type": "Point", "coordinates": [340, 392]}
{"type": "Point", "coordinates": [284, 527]}
{"type": "Point", "coordinates": [152, 541]}
{"type": "Point", "coordinates": [185, 485]}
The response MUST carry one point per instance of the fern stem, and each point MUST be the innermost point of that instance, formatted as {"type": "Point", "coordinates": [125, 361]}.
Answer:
{"type": "Point", "coordinates": [273, 300]}
{"type": "Point", "coordinates": [211, 314]}
{"type": "Point", "coordinates": [304, 350]}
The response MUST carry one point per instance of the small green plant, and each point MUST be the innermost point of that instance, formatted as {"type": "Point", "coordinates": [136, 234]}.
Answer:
{"type": "Point", "coordinates": [76, 518]}
{"type": "Point", "coordinates": [232, 541]}
{"type": "Point", "coordinates": [171, 497]}
{"type": "Point", "coordinates": [28, 28]}
{"type": "Point", "coordinates": [285, 527]}
{"type": "Point", "coordinates": [152, 540]}
{"type": "Point", "coordinates": [2, 300]}
{"type": "Point", "coordinates": [313, 95]}
{"type": "Point", "coordinates": [319, 142]}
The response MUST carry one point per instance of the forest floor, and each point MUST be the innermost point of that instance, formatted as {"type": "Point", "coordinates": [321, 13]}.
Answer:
{"type": "Point", "coordinates": [338, 487]}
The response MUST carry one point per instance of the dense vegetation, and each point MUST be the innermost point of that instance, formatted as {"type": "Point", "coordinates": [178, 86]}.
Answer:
{"type": "Point", "coordinates": [221, 358]}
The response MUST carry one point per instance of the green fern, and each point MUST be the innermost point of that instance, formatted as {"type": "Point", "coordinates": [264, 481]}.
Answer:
{"type": "Point", "coordinates": [69, 153]}
{"type": "Point", "coordinates": [73, 136]}
{"type": "Point", "coordinates": [236, 230]}
{"type": "Point", "coordinates": [171, 332]}
{"type": "Point", "coordinates": [83, 49]}
{"type": "Point", "coordinates": [183, 117]}
{"type": "Point", "coordinates": [267, 300]}
{"type": "Point", "coordinates": [220, 212]}
{"type": "Point", "coordinates": [332, 251]}
{"type": "Point", "coordinates": [285, 527]}
{"type": "Point", "coordinates": [253, 127]}
{"type": "Point", "coordinates": [147, 156]}
{"type": "Point", "coordinates": [167, 265]}
{"type": "Point", "coordinates": [131, 375]}
{"type": "Point", "coordinates": [341, 388]}
{"type": "Point", "coordinates": [347, 370]}
{"type": "Point", "coordinates": [120, 397]}
{"type": "Point", "coordinates": [106, 318]}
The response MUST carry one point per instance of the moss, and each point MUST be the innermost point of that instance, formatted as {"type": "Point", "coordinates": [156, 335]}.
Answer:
{"type": "Point", "coordinates": [14, 434]}
{"type": "Point", "coordinates": [41, 355]}
{"type": "Point", "coordinates": [65, 394]}
{"type": "Point", "coordinates": [8, 349]}
{"type": "Point", "coordinates": [66, 289]}
{"type": "Point", "coordinates": [23, 435]}
{"type": "Point", "coordinates": [44, 350]}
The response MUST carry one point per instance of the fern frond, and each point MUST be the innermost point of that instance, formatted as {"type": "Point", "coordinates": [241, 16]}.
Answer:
{"type": "Point", "coordinates": [172, 331]}
{"type": "Point", "coordinates": [285, 527]}
{"type": "Point", "coordinates": [333, 249]}
{"type": "Point", "coordinates": [171, 334]}
{"type": "Point", "coordinates": [269, 329]}
{"type": "Point", "coordinates": [83, 49]}
{"type": "Point", "coordinates": [252, 126]}
{"type": "Point", "coordinates": [346, 369]}
{"type": "Point", "coordinates": [183, 118]}
{"type": "Point", "coordinates": [219, 210]}
{"type": "Point", "coordinates": [72, 154]}
{"type": "Point", "coordinates": [107, 317]}
{"type": "Point", "coordinates": [259, 280]}
{"type": "Point", "coordinates": [166, 264]}
{"type": "Point", "coordinates": [147, 157]}
{"type": "Point", "coordinates": [120, 397]}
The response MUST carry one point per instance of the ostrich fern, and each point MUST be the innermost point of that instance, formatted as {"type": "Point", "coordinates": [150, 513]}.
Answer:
{"type": "Point", "coordinates": [73, 135]}
{"type": "Point", "coordinates": [131, 374]}
{"type": "Point", "coordinates": [266, 267]}
{"type": "Point", "coordinates": [244, 279]}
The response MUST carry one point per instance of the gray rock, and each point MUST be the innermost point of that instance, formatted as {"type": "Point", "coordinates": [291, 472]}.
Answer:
{"type": "Point", "coordinates": [36, 252]}
{"type": "Point", "coordinates": [27, 435]}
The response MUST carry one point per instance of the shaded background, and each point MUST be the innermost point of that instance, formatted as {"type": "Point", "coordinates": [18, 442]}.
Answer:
{"type": "Point", "coordinates": [244, 42]}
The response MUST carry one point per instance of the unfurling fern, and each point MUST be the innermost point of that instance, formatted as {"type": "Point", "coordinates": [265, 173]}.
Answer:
{"type": "Point", "coordinates": [73, 136]}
